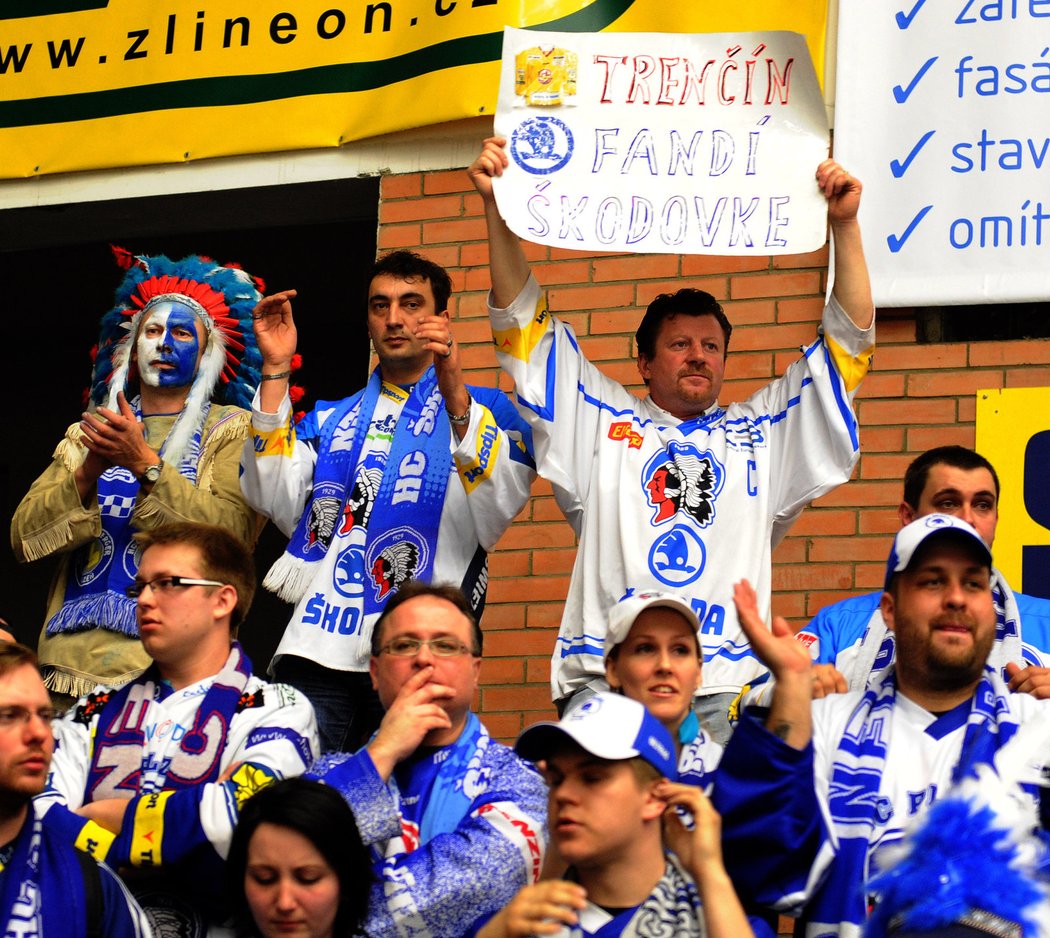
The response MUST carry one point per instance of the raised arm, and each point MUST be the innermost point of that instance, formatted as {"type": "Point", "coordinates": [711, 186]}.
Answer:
{"type": "Point", "coordinates": [790, 713]}
{"type": "Point", "coordinates": [852, 285]}
{"type": "Point", "coordinates": [507, 265]}
{"type": "Point", "coordinates": [277, 337]}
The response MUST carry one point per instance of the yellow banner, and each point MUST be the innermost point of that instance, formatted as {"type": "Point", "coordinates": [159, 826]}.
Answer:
{"type": "Point", "coordinates": [1013, 433]}
{"type": "Point", "coordinates": [91, 84]}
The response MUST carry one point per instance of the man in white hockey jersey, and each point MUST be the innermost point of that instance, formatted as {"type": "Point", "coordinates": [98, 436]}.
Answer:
{"type": "Point", "coordinates": [151, 776]}
{"type": "Point", "coordinates": [415, 477]}
{"type": "Point", "coordinates": [811, 794]}
{"type": "Point", "coordinates": [675, 491]}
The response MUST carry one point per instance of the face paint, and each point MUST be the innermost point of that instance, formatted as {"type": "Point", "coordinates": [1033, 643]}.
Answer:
{"type": "Point", "coordinates": [168, 347]}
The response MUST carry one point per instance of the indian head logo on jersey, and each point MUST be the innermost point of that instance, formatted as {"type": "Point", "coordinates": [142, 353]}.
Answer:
{"type": "Point", "coordinates": [682, 479]}
{"type": "Point", "coordinates": [394, 558]}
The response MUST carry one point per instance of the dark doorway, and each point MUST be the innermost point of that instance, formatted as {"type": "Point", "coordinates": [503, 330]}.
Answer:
{"type": "Point", "coordinates": [58, 280]}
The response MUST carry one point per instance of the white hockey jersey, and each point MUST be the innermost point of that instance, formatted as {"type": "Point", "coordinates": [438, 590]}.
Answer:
{"type": "Point", "coordinates": [741, 473]}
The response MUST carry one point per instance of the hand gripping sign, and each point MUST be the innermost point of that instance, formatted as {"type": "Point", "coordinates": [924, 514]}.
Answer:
{"type": "Point", "coordinates": [662, 142]}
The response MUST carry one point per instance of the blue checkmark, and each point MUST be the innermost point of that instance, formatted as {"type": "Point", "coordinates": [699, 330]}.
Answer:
{"type": "Point", "coordinates": [904, 19]}
{"type": "Point", "coordinates": [899, 169]}
{"type": "Point", "coordinates": [901, 94]}
{"type": "Point", "coordinates": [896, 243]}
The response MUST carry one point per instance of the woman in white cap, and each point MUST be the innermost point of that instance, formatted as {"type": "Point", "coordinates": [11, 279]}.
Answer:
{"type": "Point", "coordinates": [653, 655]}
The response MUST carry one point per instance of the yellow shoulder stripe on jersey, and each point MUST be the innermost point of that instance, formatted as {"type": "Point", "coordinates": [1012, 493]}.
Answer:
{"type": "Point", "coordinates": [519, 343]}
{"type": "Point", "coordinates": [486, 444]}
{"type": "Point", "coordinates": [95, 840]}
{"type": "Point", "coordinates": [279, 442]}
{"type": "Point", "coordinates": [853, 368]}
{"type": "Point", "coordinates": [148, 830]}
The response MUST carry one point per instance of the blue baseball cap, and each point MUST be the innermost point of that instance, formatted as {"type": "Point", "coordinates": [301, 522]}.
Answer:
{"type": "Point", "coordinates": [912, 536]}
{"type": "Point", "coordinates": [608, 726]}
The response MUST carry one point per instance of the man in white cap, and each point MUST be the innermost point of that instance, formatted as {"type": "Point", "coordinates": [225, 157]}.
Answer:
{"type": "Point", "coordinates": [810, 797]}
{"type": "Point", "coordinates": [607, 762]}
{"type": "Point", "coordinates": [849, 641]}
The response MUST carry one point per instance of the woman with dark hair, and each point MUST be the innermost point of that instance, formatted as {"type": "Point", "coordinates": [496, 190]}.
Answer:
{"type": "Point", "coordinates": [297, 865]}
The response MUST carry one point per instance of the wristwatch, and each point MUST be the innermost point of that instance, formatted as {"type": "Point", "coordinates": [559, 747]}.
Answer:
{"type": "Point", "coordinates": [152, 473]}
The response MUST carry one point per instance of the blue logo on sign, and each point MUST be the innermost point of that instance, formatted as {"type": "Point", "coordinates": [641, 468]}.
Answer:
{"type": "Point", "coordinates": [541, 145]}
{"type": "Point", "coordinates": [677, 558]}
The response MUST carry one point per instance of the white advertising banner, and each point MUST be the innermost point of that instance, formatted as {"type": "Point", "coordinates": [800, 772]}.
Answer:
{"type": "Point", "coordinates": [943, 110]}
{"type": "Point", "coordinates": [703, 143]}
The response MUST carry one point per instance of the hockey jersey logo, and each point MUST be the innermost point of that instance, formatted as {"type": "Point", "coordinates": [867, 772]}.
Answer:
{"type": "Point", "coordinates": [682, 479]}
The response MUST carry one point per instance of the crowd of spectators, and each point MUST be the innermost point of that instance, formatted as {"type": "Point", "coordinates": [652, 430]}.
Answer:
{"type": "Point", "coordinates": [710, 770]}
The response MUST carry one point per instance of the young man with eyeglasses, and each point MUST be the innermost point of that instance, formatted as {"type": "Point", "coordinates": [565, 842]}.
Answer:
{"type": "Point", "coordinates": [151, 776]}
{"type": "Point", "coordinates": [456, 821]}
{"type": "Point", "coordinates": [47, 886]}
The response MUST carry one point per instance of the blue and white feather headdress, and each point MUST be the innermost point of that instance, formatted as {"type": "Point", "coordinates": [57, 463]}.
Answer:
{"type": "Point", "coordinates": [222, 296]}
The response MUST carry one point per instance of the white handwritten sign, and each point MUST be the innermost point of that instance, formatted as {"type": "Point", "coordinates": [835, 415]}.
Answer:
{"type": "Point", "coordinates": [943, 109]}
{"type": "Point", "coordinates": [662, 142]}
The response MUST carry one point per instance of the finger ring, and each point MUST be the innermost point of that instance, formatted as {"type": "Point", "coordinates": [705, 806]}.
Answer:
{"type": "Point", "coordinates": [448, 354]}
{"type": "Point", "coordinates": [449, 343]}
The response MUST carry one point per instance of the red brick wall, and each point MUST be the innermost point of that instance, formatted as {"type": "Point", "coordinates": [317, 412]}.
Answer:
{"type": "Point", "coordinates": [916, 397]}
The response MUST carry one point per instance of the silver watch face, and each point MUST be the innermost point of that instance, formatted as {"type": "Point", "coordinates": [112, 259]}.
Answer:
{"type": "Point", "coordinates": [152, 473]}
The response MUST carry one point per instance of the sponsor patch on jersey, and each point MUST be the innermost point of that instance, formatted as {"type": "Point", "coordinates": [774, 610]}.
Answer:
{"type": "Point", "coordinates": [681, 480]}
{"type": "Point", "coordinates": [624, 430]}
{"type": "Point", "coordinates": [91, 706]}
{"type": "Point", "coordinates": [809, 640]}
{"type": "Point", "coordinates": [250, 701]}
{"type": "Point", "coordinates": [486, 445]}
{"type": "Point", "coordinates": [279, 442]}
{"type": "Point", "coordinates": [268, 734]}
{"type": "Point", "coordinates": [677, 557]}
{"type": "Point", "coordinates": [249, 779]}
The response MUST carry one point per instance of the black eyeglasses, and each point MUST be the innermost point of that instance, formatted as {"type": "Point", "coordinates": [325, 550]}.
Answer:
{"type": "Point", "coordinates": [167, 584]}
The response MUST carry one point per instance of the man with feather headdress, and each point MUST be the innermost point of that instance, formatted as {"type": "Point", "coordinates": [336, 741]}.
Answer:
{"type": "Point", "coordinates": [175, 366]}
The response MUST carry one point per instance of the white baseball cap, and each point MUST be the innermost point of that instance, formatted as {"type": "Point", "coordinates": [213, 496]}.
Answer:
{"type": "Point", "coordinates": [623, 614]}
{"type": "Point", "coordinates": [608, 726]}
{"type": "Point", "coordinates": [912, 536]}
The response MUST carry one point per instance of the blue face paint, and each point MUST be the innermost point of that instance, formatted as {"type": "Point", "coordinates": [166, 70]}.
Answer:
{"type": "Point", "coordinates": [168, 347]}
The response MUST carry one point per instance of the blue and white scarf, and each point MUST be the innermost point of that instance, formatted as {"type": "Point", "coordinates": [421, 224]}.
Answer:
{"type": "Point", "coordinates": [854, 802]}
{"type": "Point", "coordinates": [119, 740]}
{"type": "Point", "coordinates": [42, 866]}
{"type": "Point", "coordinates": [102, 570]}
{"type": "Point", "coordinates": [409, 499]}
{"type": "Point", "coordinates": [672, 909]}
{"type": "Point", "coordinates": [436, 790]}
